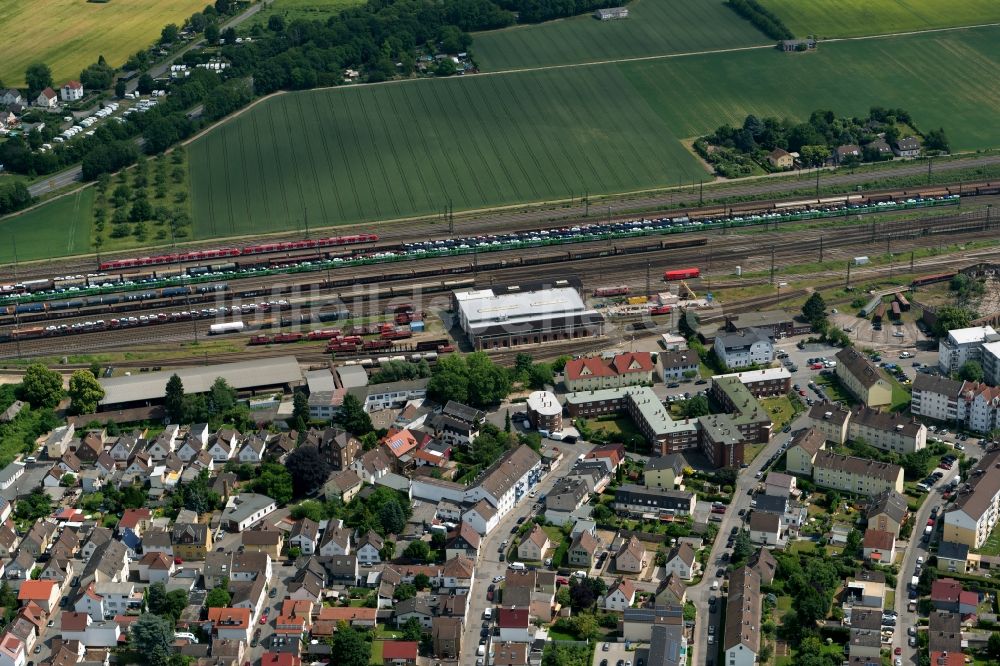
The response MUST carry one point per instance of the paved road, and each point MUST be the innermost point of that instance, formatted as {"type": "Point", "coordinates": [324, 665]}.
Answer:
{"type": "Point", "coordinates": [700, 593]}
{"type": "Point", "coordinates": [916, 548]}
{"type": "Point", "coordinates": [488, 564]}
{"type": "Point", "coordinates": [72, 175]}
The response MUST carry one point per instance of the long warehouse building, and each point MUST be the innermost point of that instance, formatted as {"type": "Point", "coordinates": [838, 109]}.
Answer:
{"type": "Point", "coordinates": [527, 314]}
{"type": "Point", "coordinates": [279, 373]}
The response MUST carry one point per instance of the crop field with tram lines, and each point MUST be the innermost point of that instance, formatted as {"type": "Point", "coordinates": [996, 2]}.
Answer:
{"type": "Point", "coordinates": [362, 153]}
{"type": "Point", "coordinates": [853, 18]}
{"type": "Point", "coordinates": [654, 27]}
{"type": "Point", "coordinates": [68, 35]}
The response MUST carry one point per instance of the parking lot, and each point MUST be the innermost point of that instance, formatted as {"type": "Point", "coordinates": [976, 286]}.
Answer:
{"type": "Point", "coordinates": [616, 655]}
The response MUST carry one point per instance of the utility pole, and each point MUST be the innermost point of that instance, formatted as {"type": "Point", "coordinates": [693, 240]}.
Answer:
{"type": "Point", "coordinates": [930, 163]}
{"type": "Point", "coordinates": [911, 261]}
{"type": "Point", "coordinates": [888, 251]}
{"type": "Point", "coordinates": [586, 203]}
{"type": "Point", "coordinates": [13, 242]}
{"type": "Point", "coordinates": [451, 218]}
{"type": "Point", "coordinates": [648, 287]}
{"type": "Point", "coordinates": [772, 264]}
{"type": "Point", "coordinates": [305, 217]}
{"type": "Point", "coordinates": [701, 193]}
{"type": "Point", "coordinates": [848, 285]}
{"type": "Point", "coordinates": [817, 182]}
{"type": "Point", "coordinates": [821, 249]}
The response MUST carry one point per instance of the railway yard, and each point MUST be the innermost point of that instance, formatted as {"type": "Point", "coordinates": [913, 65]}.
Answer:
{"type": "Point", "coordinates": [368, 287]}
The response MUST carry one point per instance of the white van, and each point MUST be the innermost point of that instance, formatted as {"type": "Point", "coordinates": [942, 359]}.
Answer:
{"type": "Point", "coordinates": [715, 585]}
{"type": "Point", "coordinates": [488, 614]}
{"type": "Point", "coordinates": [517, 566]}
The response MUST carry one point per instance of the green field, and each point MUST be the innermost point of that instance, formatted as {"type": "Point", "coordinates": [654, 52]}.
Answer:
{"type": "Point", "coordinates": [292, 10]}
{"type": "Point", "coordinates": [388, 151]}
{"type": "Point", "coordinates": [379, 152]}
{"type": "Point", "coordinates": [57, 229]}
{"type": "Point", "coordinates": [68, 35]}
{"type": "Point", "coordinates": [654, 27]}
{"type": "Point", "coordinates": [853, 18]}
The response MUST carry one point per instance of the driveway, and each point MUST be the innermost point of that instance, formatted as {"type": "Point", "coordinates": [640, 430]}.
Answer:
{"type": "Point", "coordinates": [488, 565]}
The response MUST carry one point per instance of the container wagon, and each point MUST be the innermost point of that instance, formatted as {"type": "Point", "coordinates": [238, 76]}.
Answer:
{"type": "Point", "coordinates": [932, 279]}
{"type": "Point", "coordinates": [904, 303]}
{"type": "Point", "coordinates": [681, 274]}
{"type": "Point", "coordinates": [621, 290]}
{"type": "Point", "coordinates": [227, 327]}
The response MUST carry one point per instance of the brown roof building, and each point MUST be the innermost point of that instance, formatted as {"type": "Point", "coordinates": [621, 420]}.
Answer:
{"type": "Point", "coordinates": [743, 607]}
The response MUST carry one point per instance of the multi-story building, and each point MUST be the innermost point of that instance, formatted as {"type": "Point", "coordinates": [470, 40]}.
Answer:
{"type": "Point", "coordinates": [678, 364]}
{"type": "Point", "coordinates": [888, 431]}
{"type": "Point", "coordinates": [935, 397]}
{"type": "Point", "coordinates": [638, 500]}
{"type": "Point", "coordinates": [862, 378]}
{"type": "Point", "coordinates": [743, 608]}
{"type": "Point", "coordinates": [973, 516]}
{"type": "Point", "coordinates": [856, 475]}
{"type": "Point", "coordinates": [830, 420]}
{"type": "Point", "coordinates": [544, 411]}
{"type": "Point", "coordinates": [628, 369]}
{"type": "Point", "coordinates": [738, 400]}
{"type": "Point", "coordinates": [963, 344]}
{"type": "Point", "coordinates": [764, 383]}
{"type": "Point", "coordinates": [508, 479]}
{"type": "Point", "coordinates": [802, 451]}
{"type": "Point", "coordinates": [991, 362]}
{"type": "Point", "coordinates": [749, 346]}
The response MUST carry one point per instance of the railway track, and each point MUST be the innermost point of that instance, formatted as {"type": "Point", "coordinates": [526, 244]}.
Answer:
{"type": "Point", "coordinates": [723, 252]}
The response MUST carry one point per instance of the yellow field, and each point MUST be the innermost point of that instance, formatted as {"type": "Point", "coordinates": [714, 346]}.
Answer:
{"type": "Point", "coordinates": [68, 35]}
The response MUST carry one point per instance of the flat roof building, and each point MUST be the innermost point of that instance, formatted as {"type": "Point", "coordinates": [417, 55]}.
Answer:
{"type": "Point", "coordinates": [280, 372]}
{"type": "Point", "coordinates": [527, 314]}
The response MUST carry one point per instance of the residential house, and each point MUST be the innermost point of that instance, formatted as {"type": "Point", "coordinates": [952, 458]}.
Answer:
{"type": "Point", "coordinates": [971, 519]}
{"type": "Point", "coordinates": [399, 653]}
{"type": "Point", "coordinates": [38, 538]}
{"type": "Point", "coordinates": [508, 479]}
{"type": "Point", "coordinates": [565, 497]}
{"type": "Point", "coordinates": [446, 632]}
{"type": "Point", "coordinates": [336, 445]}
{"type": "Point", "coordinates": [372, 465]}
{"type": "Point", "coordinates": [742, 349]}
{"type": "Point", "coordinates": [888, 431]}
{"type": "Point", "coordinates": [513, 624]}
{"type": "Point", "coordinates": [482, 517]}
{"type": "Point", "coordinates": [223, 445]}
{"type": "Point", "coordinates": [779, 485]}
{"type": "Point", "coordinates": [862, 378]}
{"type": "Point", "coordinates": [230, 623]}
{"type": "Point", "coordinates": [676, 365]}
{"type": "Point", "coordinates": [741, 636]}
{"type": "Point", "coordinates": [57, 441]}
{"type": "Point", "coordinates": [250, 566]}
{"type": "Point", "coordinates": [99, 536]}
{"type": "Point", "coordinates": [879, 546]}
{"type": "Point", "coordinates": [71, 91]}
{"type": "Point", "coordinates": [631, 557]}
{"type": "Point", "coordinates": [137, 520]}
{"type": "Point", "coordinates": [44, 593]}
{"type": "Point", "coordinates": [945, 594]}
{"type": "Point", "coordinates": [831, 420]}
{"type": "Point", "coordinates": [907, 146]}
{"type": "Point", "coordinates": [780, 159]}
{"type": "Point", "coordinates": [680, 561]}
{"type": "Point", "coordinates": [245, 510]}
{"type": "Point", "coordinates": [12, 651]}
{"type": "Point", "coordinates": [583, 549]}
{"type": "Point", "coordinates": [9, 540]}
{"type": "Point", "coordinates": [534, 545]}
{"type": "Point", "coordinates": [250, 594]}
{"type": "Point", "coordinates": [620, 596]}
{"type": "Point", "coordinates": [11, 96]}
{"type": "Point", "coordinates": [336, 539]}
{"type": "Point", "coordinates": [463, 540]}
{"type": "Point", "coordinates": [458, 573]}
{"type": "Point", "coordinates": [120, 596]}
{"type": "Point", "coordinates": [674, 592]}
{"type": "Point", "coordinates": [305, 536]}
{"type": "Point", "coordinates": [158, 540]}
{"type": "Point", "coordinates": [191, 541]}
{"type": "Point", "coordinates": [252, 451]}
{"type": "Point", "coordinates": [592, 373]}
{"type": "Point", "coordinates": [419, 607]}
{"type": "Point", "coordinates": [944, 632]}
{"type": "Point", "coordinates": [268, 540]}
{"type": "Point", "coordinates": [953, 557]}
{"type": "Point", "coordinates": [766, 529]}
{"type": "Point", "coordinates": [664, 471]}
{"type": "Point", "coordinates": [638, 500]}
{"type": "Point", "coordinates": [846, 153]}
{"type": "Point", "coordinates": [457, 424]}
{"type": "Point", "coordinates": [369, 548]}
{"type": "Point", "coordinates": [47, 99]}
{"type": "Point", "coordinates": [155, 568]}
{"type": "Point", "coordinates": [887, 511]}
{"type": "Point", "coordinates": [343, 485]}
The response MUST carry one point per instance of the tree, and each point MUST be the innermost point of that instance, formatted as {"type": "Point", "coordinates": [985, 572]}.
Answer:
{"type": "Point", "coordinates": [97, 76]}
{"type": "Point", "coordinates": [197, 496]}
{"type": "Point", "coordinates": [814, 309]}
{"type": "Point", "coordinates": [221, 397]}
{"type": "Point", "coordinates": [742, 548]}
{"type": "Point", "coordinates": [418, 550]}
{"type": "Point", "coordinates": [85, 392]}
{"type": "Point", "coordinates": [300, 411]}
{"type": "Point", "coordinates": [212, 33]}
{"type": "Point", "coordinates": [151, 637]}
{"type": "Point", "coordinates": [853, 545]}
{"type": "Point", "coordinates": [993, 646]}
{"type": "Point", "coordinates": [38, 76]}
{"type": "Point", "coordinates": [308, 468]}
{"type": "Point", "coordinates": [421, 581]}
{"type": "Point", "coordinates": [121, 87]}
{"type": "Point", "coordinates": [166, 604]}
{"type": "Point", "coordinates": [950, 317]}
{"type": "Point", "coordinates": [174, 399]}
{"type": "Point", "coordinates": [586, 627]}
{"type": "Point", "coordinates": [276, 23]}
{"type": "Point", "coordinates": [169, 34]}
{"type": "Point", "coordinates": [353, 417]}
{"type": "Point", "coordinates": [145, 84]}
{"type": "Point", "coordinates": [392, 518]}
{"type": "Point", "coordinates": [222, 6]}
{"type": "Point", "coordinates": [412, 629]}
{"type": "Point", "coordinates": [506, 422]}
{"type": "Point", "coordinates": [219, 597]}
{"type": "Point", "coordinates": [696, 406]}
{"type": "Point", "coordinates": [971, 371]}
{"type": "Point", "coordinates": [67, 480]}
{"type": "Point", "coordinates": [350, 646]}
{"type": "Point", "coordinates": [275, 481]}
{"type": "Point", "coordinates": [42, 387]}
{"type": "Point", "coordinates": [388, 551]}
{"type": "Point", "coordinates": [581, 597]}
{"type": "Point", "coordinates": [937, 140]}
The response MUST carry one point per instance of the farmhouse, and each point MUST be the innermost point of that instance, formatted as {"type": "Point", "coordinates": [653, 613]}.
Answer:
{"type": "Point", "coordinates": [781, 159]}
{"type": "Point", "coordinates": [907, 146]}
{"type": "Point", "coordinates": [47, 99]}
{"type": "Point", "coordinates": [611, 13]}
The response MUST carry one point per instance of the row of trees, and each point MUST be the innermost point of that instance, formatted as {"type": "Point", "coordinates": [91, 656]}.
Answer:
{"type": "Point", "coordinates": [763, 19]}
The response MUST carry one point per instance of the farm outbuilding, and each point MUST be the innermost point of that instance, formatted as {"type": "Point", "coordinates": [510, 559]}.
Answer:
{"type": "Point", "coordinates": [611, 13]}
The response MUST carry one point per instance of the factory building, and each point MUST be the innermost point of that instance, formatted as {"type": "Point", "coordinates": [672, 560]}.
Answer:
{"type": "Point", "coordinates": [514, 315]}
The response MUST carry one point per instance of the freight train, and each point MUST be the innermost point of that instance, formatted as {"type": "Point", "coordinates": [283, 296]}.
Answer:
{"type": "Point", "coordinates": [230, 252]}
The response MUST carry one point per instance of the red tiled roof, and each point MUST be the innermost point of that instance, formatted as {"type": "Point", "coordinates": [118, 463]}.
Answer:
{"type": "Point", "coordinates": [945, 589]}
{"type": "Point", "coordinates": [879, 539]}
{"type": "Point", "coordinates": [72, 84]}
{"type": "Point", "coordinates": [347, 613]}
{"type": "Point", "coordinates": [623, 363]}
{"type": "Point", "coordinates": [279, 659]}
{"type": "Point", "coordinates": [399, 650]}
{"type": "Point", "coordinates": [968, 598]}
{"type": "Point", "coordinates": [947, 659]}
{"type": "Point", "coordinates": [513, 618]}
{"type": "Point", "coordinates": [400, 443]}
{"type": "Point", "coordinates": [36, 590]}
{"type": "Point", "coordinates": [595, 367]}
{"type": "Point", "coordinates": [229, 618]}
{"type": "Point", "coordinates": [133, 517]}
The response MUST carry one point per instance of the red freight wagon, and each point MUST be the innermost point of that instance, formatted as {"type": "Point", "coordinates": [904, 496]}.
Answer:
{"type": "Point", "coordinates": [622, 290]}
{"type": "Point", "coordinates": [287, 337]}
{"type": "Point", "coordinates": [259, 340]}
{"type": "Point", "coordinates": [325, 334]}
{"type": "Point", "coordinates": [660, 310]}
{"type": "Point", "coordinates": [681, 274]}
